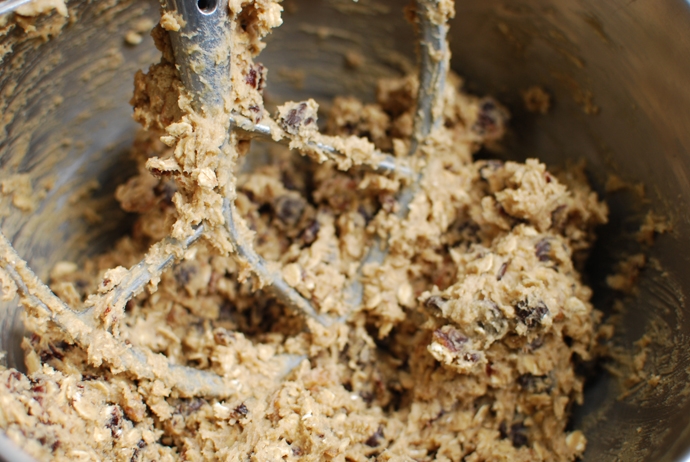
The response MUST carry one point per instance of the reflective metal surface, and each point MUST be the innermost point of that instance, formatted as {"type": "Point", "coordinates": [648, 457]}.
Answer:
{"type": "Point", "coordinates": [618, 72]}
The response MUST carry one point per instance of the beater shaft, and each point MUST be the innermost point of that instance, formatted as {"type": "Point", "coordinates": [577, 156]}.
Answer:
{"type": "Point", "coordinates": [434, 64]}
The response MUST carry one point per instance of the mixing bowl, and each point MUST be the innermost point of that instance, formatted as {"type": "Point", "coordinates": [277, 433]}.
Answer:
{"type": "Point", "coordinates": [618, 72]}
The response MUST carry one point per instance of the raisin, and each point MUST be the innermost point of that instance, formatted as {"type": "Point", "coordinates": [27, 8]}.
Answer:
{"type": "Point", "coordinates": [489, 168]}
{"type": "Point", "coordinates": [365, 213]}
{"type": "Point", "coordinates": [518, 435]}
{"type": "Point", "coordinates": [451, 339]}
{"type": "Point", "coordinates": [434, 304]}
{"type": "Point", "coordinates": [289, 209]}
{"type": "Point", "coordinates": [503, 430]}
{"type": "Point", "coordinates": [52, 352]}
{"type": "Point", "coordinates": [375, 439]}
{"type": "Point", "coordinates": [471, 357]}
{"type": "Point", "coordinates": [502, 271]}
{"type": "Point", "coordinates": [222, 336]}
{"type": "Point", "coordinates": [241, 410]}
{"type": "Point", "coordinates": [311, 232]}
{"type": "Point", "coordinates": [557, 216]}
{"type": "Point", "coordinates": [135, 455]}
{"type": "Point", "coordinates": [535, 344]}
{"type": "Point", "coordinates": [531, 316]}
{"type": "Point", "coordinates": [491, 120]}
{"type": "Point", "coordinates": [188, 407]}
{"type": "Point", "coordinates": [256, 77]}
{"type": "Point", "coordinates": [38, 389]}
{"type": "Point", "coordinates": [166, 190]}
{"type": "Point", "coordinates": [114, 423]}
{"type": "Point", "coordinates": [388, 202]}
{"type": "Point", "coordinates": [367, 396]}
{"type": "Point", "coordinates": [14, 375]}
{"type": "Point", "coordinates": [489, 370]}
{"type": "Point", "coordinates": [184, 273]}
{"type": "Point", "coordinates": [296, 118]}
{"type": "Point", "coordinates": [543, 250]}
{"type": "Point", "coordinates": [536, 383]}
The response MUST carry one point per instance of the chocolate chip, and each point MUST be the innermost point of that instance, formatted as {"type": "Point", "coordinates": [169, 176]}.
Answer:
{"type": "Point", "coordinates": [451, 339]}
{"type": "Point", "coordinates": [375, 439]}
{"type": "Point", "coordinates": [543, 250]}
{"type": "Point", "coordinates": [532, 315]}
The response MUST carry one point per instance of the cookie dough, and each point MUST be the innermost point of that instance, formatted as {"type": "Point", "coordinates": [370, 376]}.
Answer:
{"type": "Point", "coordinates": [465, 345]}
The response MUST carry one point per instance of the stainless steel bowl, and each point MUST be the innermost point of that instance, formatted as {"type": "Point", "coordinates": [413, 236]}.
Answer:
{"type": "Point", "coordinates": [628, 60]}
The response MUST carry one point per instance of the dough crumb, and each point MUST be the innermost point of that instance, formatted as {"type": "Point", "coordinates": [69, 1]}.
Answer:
{"type": "Point", "coordinates": [20, 189]}
{"type": "Point", "coordinates": [537, 100]}
{"type": "Point", "coordinates": [353, 59]}
{"type": "Point", "coordinates": [652, 226]}
{"type": "Point", "coordinates": [171, 21]}
{"type": "Point", "coordinates": [133, 38]}
{"type": "Point", "coordinates": [39, 7]}
{"type": "Point", "coordinates": [627, 274]}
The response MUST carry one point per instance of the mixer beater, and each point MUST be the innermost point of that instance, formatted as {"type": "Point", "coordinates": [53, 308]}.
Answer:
{"type": "Point", "coordinates": [202, 42]}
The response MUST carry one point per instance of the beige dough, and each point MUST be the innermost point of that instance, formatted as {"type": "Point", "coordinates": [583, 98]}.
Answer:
{"type": "Point", "coordinates": [465, 345]}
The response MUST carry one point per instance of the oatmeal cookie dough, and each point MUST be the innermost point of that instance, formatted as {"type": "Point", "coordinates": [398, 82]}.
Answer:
{"type": "Point", "coordinates": [465, 345]}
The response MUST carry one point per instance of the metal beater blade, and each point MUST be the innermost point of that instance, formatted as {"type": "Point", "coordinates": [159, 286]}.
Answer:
{"type": "Point", "coordinates": [434, 64]}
